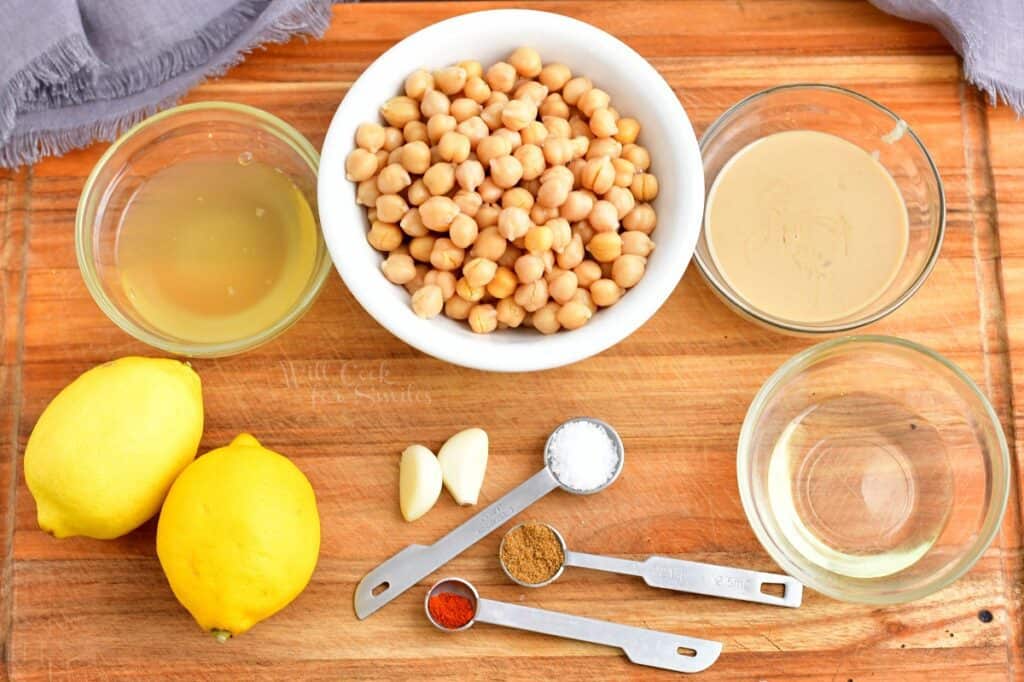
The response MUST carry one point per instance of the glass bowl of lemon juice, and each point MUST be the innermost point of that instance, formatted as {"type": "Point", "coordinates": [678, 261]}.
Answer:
{"type": "Point", "coordinates": [873, 469]}
{"type": "Point", "coordinates": [196, 231]}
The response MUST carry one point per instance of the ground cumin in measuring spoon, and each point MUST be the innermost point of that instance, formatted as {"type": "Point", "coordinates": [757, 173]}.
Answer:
{"type": "Point", "coordinates": [532, 553]}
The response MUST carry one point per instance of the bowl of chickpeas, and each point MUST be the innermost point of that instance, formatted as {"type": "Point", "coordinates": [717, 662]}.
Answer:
{"type": "Point", "coordinates": [511, 207]}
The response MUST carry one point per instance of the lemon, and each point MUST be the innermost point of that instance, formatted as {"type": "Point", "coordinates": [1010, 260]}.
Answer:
{"type": "Point", "coordinates": [238, 536]}
{"type": "Point", "coordinates": [106, 449]}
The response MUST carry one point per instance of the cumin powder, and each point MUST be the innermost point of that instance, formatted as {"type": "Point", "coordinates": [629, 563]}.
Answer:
{"type": "Point", "coordinates": [531, 553]}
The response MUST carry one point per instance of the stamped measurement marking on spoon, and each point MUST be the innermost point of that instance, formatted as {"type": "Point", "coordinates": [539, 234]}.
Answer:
{"type": "Point", "coordinates": [562, 469]}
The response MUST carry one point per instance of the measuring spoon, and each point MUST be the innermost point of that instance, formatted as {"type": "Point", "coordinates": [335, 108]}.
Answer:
{"type": "Point", "coordinates": [416, 562]}
{"type": "Point", "coordinates": [676, 574]}
{"type": "Point", "coordinates": [645, 647]}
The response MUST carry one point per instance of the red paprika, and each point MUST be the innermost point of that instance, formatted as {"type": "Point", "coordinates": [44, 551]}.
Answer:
{"type": "Point", "coordinates": [450, 610]}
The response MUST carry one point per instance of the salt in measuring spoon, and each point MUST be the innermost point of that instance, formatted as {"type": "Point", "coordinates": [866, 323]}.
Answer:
{"type": "Point", "coordinates": [416, 562]}
{"type": "Point", "coordinates": [642, 646]}
{"type": "Point", "coordinates": [677, 574]}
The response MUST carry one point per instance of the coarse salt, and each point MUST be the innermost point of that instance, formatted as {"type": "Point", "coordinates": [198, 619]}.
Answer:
{"type": "Point", "coordinates": [582, 455]}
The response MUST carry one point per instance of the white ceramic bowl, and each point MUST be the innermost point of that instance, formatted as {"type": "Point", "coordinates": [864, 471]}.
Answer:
{"type": "Point", "coordinates": [637, 90]}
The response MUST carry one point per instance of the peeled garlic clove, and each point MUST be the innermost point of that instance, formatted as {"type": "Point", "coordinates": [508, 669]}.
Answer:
{"type": "Point", "coordinates": [463, 460]}
{"type": "Point", "coordinates": [419, 481]}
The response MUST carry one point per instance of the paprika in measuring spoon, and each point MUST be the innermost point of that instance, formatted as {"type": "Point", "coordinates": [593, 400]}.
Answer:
{"type": "Point", "coordinates": [452, 611]}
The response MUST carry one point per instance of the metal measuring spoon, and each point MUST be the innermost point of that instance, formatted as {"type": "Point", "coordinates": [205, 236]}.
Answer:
{"type": "Point", "coordinates": [416, 562]}
{"type": "Point", "coordinates": [645, 647]}
{"type": "Point", "coordinates": [677, 574]}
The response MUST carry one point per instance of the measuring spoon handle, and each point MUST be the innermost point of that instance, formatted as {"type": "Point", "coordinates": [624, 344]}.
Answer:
{"type": "Point", "coordinates": [645, 647]}
{"type": "Point", "coordinates": [720, 581]}
{"type": "Point", "coordinates": [416, 562]}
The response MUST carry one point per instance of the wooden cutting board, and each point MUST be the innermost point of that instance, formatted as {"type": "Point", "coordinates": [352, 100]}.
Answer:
{"type": "Point", "coordinates": [342, 397]}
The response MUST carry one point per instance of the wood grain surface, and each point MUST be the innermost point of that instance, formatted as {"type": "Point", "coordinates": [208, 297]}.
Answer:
{"type": "Point", "coordinates": [342, 397]}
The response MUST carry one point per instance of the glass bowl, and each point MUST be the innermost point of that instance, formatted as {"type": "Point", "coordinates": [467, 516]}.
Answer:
{"type": "Point", "coordinates": [873, 469]}
{"type": "Point", "coordinates": [193, 132]}
{"type": "Point", "coordinates": [871, 126]}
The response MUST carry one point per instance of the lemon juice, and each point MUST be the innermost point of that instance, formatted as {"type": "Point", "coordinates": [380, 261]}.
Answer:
{"type": "Point", "coordinates": [213, 251]}
{"type": "Point", "coordinates": [860, 485]}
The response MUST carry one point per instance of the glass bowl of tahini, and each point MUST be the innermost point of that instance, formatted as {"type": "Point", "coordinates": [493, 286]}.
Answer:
{"type": "Point", "coordinates": [196, 232]}
{"type": "Point", "coordinates": [824, 210]}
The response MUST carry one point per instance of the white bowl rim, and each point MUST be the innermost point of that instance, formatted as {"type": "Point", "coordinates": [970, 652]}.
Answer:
{"type": "Point", "coordinates": [559, 349]}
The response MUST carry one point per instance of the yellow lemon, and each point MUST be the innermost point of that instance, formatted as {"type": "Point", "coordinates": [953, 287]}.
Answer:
{"type": "Point", "coordinates": [238, 536]}
{"type": "Point", "coordinates": [106, 449]}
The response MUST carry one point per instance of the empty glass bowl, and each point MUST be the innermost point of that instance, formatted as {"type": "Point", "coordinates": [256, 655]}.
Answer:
{"type": "Point", "coordinates": [871, 126]}
{"type": "Point", "coordinates": [201, 133]}
{"type": "Point", "coordinates": [873, 469]}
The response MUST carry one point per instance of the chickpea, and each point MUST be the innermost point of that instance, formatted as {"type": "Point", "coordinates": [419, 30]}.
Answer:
{"type": "Point", "coordinates": [367, 192]}
{"type": "Point", "coordinates": [592, 100]}
{"type": "Point", "coordinates": [479, 272]}
{"type": "Point", "coordinates": [497, 97]}
{"type": "Point", "coordinates": [394, 156]}
{"type": "Point", "coordinates": [573, 315]}
{"type": "Point", "coordinates": [513, 222]}
{"type": "Point", "coordinates": [506, 171]}
{"type": "Point", "coordinates": [583, 296]}
{"type": "Point", "coordinates": [446, 256]}
{"type": "Point", "coordinates": [622, 199]}
{"type": "Point", "coordinates": [510, 313]}
{"type": "Point", "coordinates": [542, 214]}
{"type": "Point", "coordinates": [487, 216]}
{"type": "Point", "coordinates": [605, 146]}
{"type": "Point", "coordinates": [501, 77]}
{"type": "Point", "coordinates": [473, 68]}
{"type": "Point", "coordinates": [492, 147]}
{"type": "Point", "coordinates": [580, 146]}
{"type": "Point", "coordinates": [477, 89]}
{"type": "Point", "coordinates": [531, 159]}
{"type": "Point", "coordinates": [450, 79]}
{"type": "Point", "coordinates": [575, 88]}
{"type": "Point", "coordinates": [384, 236]}
{"type": "Point", "coordinates": [399, 110]}
{"type": "Point", "coordinates": [513, 137]}
{"type": "Point", "coordinates": [563, 286]}
{"type": "Point", "coordinates": [412, 224]}
{"type": "Point", "coordinates": [418, 82]}
{"type": "Point", "coordinates": [437, 213]}
{"type": "Point", "coordinates": [561, 233]}
{"type": "Point", "coordinates": [557, 150]}
{"type": "Point", "coordinates": [602, 123]}
{"type": "Point", "coordinates": [579, 128]}
{"type": "Point", "coordinates": [538, 238]}
{"type": "Point", "coordinates": [463, 289]}
{"type": "Point", "coordinates": [605, 246]}
{"type": "Point", "coordinates": [428, 301]}
{"type": "Point", "coordinates": [554, 76]}
{"type": "Point", "coordinates": [604, 217]}
{"type": "Point", "coordinates": [360, 165]}
{"type": "Point", "coordinates": [421, 247]}
{"type": "Point", "coordinates": [454, 147]}
{"type": "Point", "coordinates": [585, 230]}
{"type": "Point", "coordinates": [532, 295]}
{"type": "Point", "coordinates": [473, 128]}
{"type": "Point", "coordinates": [517, 196]}
{"type": "Point", "coordinates": [526, 61]}
{"type": "Point", "coordinates": [416, 283]}
{"type": "Point", "coordinates": [554, 105]}
{"type": "Point", "coordinates": [469, 174]}
{"type": "Point", "coordinates": [489, 191]}
{"type": "Point", "coordinates": [554, 192]}
{"type": "Point", "coordinates": [629, 130]}
{"type": "Point", "coordinates": [434, 102]}
{"type": "Point", "coordinates": [463, 108]}
{"type": "Point", "coordinates": [390, 208]}
{"type": "Point", "coordinates": [572, 254]}
{"type": "Point", "coordinates": [642, 219]}
{"type": "Point", "coordinates": [491, 114]}
{"type": "Point", "coordinates": [598, 175]}
{"type": "Point", "coordinates": [469, 203]}
{"type": "Point", "coordinates": [438, 125]}
{"type": "Point", "coordinates": [636, 243]}
{"type": "Point", "coordinates": [398, 268]}
{"type": "Point", "coordinates": [503, 284]}
{"type": "Point", "coordinates": [576, 167]}
{"type": "Point", "coordinates": [440, 178]}
{"type": "Point", "coordinates": [534, 133]}
{"type": "Point", "coordinates": [483, 318]}
{"type": "Point", "coordinates": [393, 138]}
{"type": "Point", "coordinates": [415, 131]}
{"type": "Point", "coordinates": [443, 279]}
{"type": "Point", "coordinates": [577, 206]}
{"type": "Point", "coordinates": [644, 187]}
{"type": "Point", "coordinates": [463, 231]}
{"type": "Point", "coordinates": [545, 319]}
{"type": "Point", "coordinates": [605, 292]}
{"type": "Point", "coordinates": [370, 136]}
{"type": "Point", "coordinates": [417, 192]}
{"type": "Point", "coordinates": [511, 255]}
{"type": "Point", "coordinates": [587, 273]}
{"type": "Point", "coordinates": [457, 308]}
{"type": "Point", "coordinates": [529, 268]}
{"type": "Point", "coordinates": [624, 172]}
{"type": "Point", "coordinates": [557, 127]}
{"type": "Point", "coordinates": [533, 92]}
{"type": "Point", "coordinates": [637, 155]}
{"type": "Point", "coordinates": [489, 244]}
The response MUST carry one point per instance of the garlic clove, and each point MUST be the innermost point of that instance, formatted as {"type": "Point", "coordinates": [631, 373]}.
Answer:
{"type": "Point", "coordinates": [419, 481]}
{"type": "Point", "coordinates": [463, 460]}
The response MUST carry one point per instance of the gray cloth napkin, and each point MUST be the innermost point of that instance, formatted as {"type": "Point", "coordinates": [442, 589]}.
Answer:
{"type": "Point", "coordinates": [73, 71]}
{"type": "Point", "coordinates": [988, 34]}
